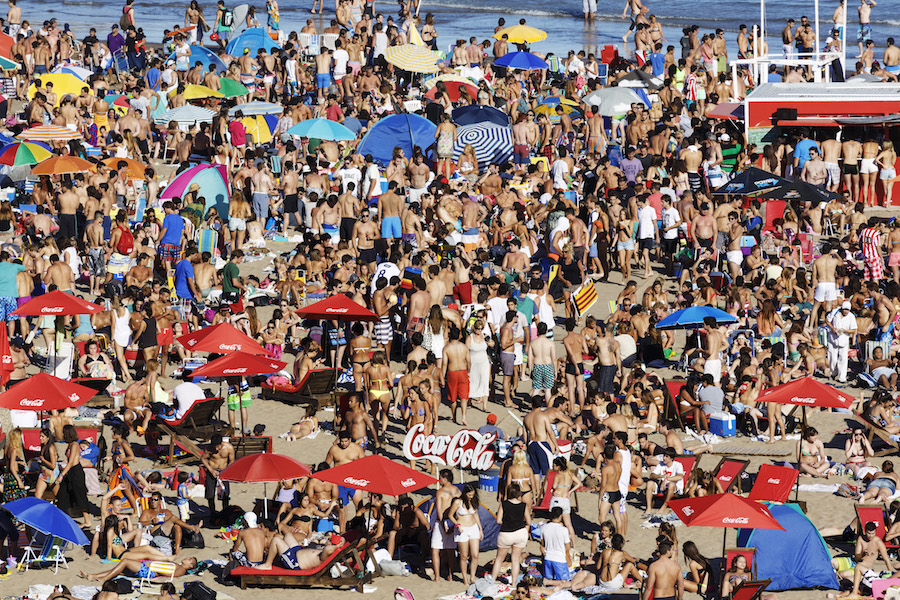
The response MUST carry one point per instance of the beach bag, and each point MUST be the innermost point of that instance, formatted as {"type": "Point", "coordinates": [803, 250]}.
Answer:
{"type": "Point", "coordinates": [193, 539]}
{"type": "Point", "coordinates": [125, 245]}
{"type": "Point", "coordinates": [197, 590]}
{"type": "Point", "coordinates": [123, 22]}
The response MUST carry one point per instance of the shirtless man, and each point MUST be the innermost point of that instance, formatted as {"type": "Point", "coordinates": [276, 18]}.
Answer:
{"type": "Point", "coordinates": [442, 544]}
{"type": "Point", "coordinates": [165, 315]}
{"type": "Point", "coordinates": [218, 455]}
{"type": "Point", "coordinates": [665, 580]}
{"type": "Point", "coordinates": [824, 283]}
{"type": "Point", "coordinates": [164, 522]}
{"type": "Point", "coordinates": [205, 276]}
{"type": "Point", "coordinates": [576, 348]}
{"type": "Point", "coordinates": [869, 171]}
{"type": "Point", "coordinates": [456, 365]}
{"type": "Point", "coordinates": [541, 438]}
{"type": "Point", "coordinates": [868, 548]}
{"type": "Point", "coordinates": [635, 6]}
{"type": "Point", "coordinates": [328, 218]}
{"type": "Point", "coordinates": [596, 133]}
{"type": "Point", "coordinates": [542, 358]}
{"type": "Point", "coordinates": [814, 170]}
{"type": "Point", "coordinates": [359, 424]}
{"type": "Point", "coordinates": [411, 224]}
{"type": "Point", "coordinates": [60, 274]}
{"type": "Point", "coordinates": [365, 232]}
{"type": "Point", "coordinates": [349, 206]}
{"type": "Point", "coordinates": [610, 497]}
{"type": "Point", "coordinates": [390, 205]}
{"type": "Point", "coordinates": [323, 494]}
{"type": "Point", "coordinates": [293, 556]}
{"type": "Point", "coordinates": [262, 185]}
{"type": "Point", "coordinates": [136, 406]}
{"type": "Point", "coordinates": [864, 33]}
{"type": "Point", "coordinates": [715, 342]}
{"type": "Point", "coordinates": [419, 176]}
{"type": "Point", "coordinates": [705, 228]}
{"type": "Point", "coordinates": [891, 59]}
{"type": "Point", "coordinates": [419, 305]}
{"type": "Point", "coordinates": [342, 452]}
{"type": "Point", "coordinates": [255, 540]}
{"type": "Point", "coordinates": [884, 312]}
{"type": "Point", "coordinates": [851, 150]}
{"type": "Point", "coordinates": [733, 252]}
{"type": "Point", "coordinates": [609, 361]}
{"type": "Point", "coordinates": [831, 154]}
{"type": "Point", "coordinates": [693, 158]}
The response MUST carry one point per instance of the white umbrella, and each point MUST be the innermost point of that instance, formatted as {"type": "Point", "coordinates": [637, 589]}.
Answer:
{"type": "Point", "coordinates": [186, 115]}
{"type": "Point", "coordinates": [614, 101]}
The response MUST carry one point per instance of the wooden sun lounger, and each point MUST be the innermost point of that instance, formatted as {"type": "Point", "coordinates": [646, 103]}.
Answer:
{"type": "Point", "coordinates": [317, 387]}
{"type": "Point", "coordinates": [873, 430]}
{"type": "Point", "coordinates": [198, 424]}
{"type": "Point", "coordinates": [355, 575]}
{"type": "Point", "coordinates": [728, 472]}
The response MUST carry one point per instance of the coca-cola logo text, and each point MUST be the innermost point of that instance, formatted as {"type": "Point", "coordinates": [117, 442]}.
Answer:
{"type": "Point", "coordinates": [37, 402]}
{"type": "Point", "coordinates": [51, 310]}
{"type": "Point", "coordinates": [799, 400]}
{"type": "Point", "coordinates": [735, 520]}
{"type": "Point", "coordinates": [229, 346]}
{"type": "Point", "coordinates": [467, 448]}
{"type": "Point", "coordinates": [773, 481]}
{"type": "Point", "coordinates": [337, 310]}
{"type": "Point", "coordinates": [355, 481]}
{"type": "Point", "coordinates": [234, 371]}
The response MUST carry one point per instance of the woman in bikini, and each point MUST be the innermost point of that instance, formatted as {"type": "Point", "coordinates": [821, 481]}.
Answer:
{"type": "Point", "coordinates": [360, 346]}
{"type": "Point", "coordinates": [564, 484]}
{"type": "Point", "coordinates": [121, 453]}
{"type": "Point", "coordinates": [700, 569]}
{"type": "Point", "coordinates": [463, 513]}
{"type": "Point", "coordinates": [378, 386]}
{"type": "Point", "coordinates": [521, 474]}
{"type": "Point", "coordinates": [812, 454]}
{"type": "Point", "coordinates": [857, 449]}
{"type": "Point", "coordinates": [416, 410]}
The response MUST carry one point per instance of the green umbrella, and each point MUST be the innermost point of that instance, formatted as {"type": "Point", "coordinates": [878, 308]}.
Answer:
{"type": "Point", "coordinates": [8, 65]}
{"type": "Point", "coordinates": [231, 88]}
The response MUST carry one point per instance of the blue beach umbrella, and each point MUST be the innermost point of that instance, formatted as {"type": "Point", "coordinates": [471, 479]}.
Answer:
{"type": "Point", "coordinates": [46, 518]}
{"type": "Point", "coordinates": [480, 113]}
{"type": "Point", "coordinates": [493, 144]}
{"type": "Point", "coordinates": [692, 318]}
{"type": "Point", "coordinates": [521, 60]}
{"type": "Point", "coordinates": [251, 39]}
{"type": "Point", "coordinates": [398, 131]}
{"type": "Point", "coordinates": [322, 129]}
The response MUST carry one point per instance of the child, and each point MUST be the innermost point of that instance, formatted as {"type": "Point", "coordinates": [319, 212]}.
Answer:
{"type": "Point", "coordinates": [185, 485]}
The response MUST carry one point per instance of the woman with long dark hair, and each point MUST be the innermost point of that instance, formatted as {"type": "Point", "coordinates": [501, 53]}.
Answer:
{"type": "Point", "coordinates": [463, 513]}
{"type": "Point", "coordinates": [72, 487]}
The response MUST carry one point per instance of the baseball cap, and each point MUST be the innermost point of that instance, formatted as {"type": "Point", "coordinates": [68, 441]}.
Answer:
{"type": "Point", "coordinates": [491, 419]}
{"type": "Point", "coordinates": [250, 520]}
{"type": "Point", "coordinates": [845, 305]}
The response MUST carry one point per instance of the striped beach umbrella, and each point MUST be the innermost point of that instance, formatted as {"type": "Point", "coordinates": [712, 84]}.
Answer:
{"type": "Point", "coordinates": [447, 77]}
{"type": "Point", "coordinates": [72, 69]}
{"type": "Point", "coordinates": [416, 59]}
{"type": "Point", "coordinates": [49, 133]}
{"type": "Point", "coordinates": [548, 107]}
{"type": "Point", "coordinates": [186, 115]}
{"type": "Point", "coordinates": [493, 144]}
{"type": "Point", "coordinates": [23, 153]}
{"type": "Point", "coordinates": [415, 38]}
{"type": "Point", "coordinates": [192, 91]}
{"type": "Point", "coordinates": [257, 108]}
{"type": "Point", "coordinates": [260, 127]}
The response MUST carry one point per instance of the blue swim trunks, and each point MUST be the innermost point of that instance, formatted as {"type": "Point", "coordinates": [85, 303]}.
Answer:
{"type": "Point", "coordinates": [557, 571]}
{"type": "Point", "coordinates": [390, 228]}
{"type": "Point", "coordinates": [323, 80]}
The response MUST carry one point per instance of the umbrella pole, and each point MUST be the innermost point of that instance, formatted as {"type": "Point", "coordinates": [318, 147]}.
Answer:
{"type": "Point", "coordinates": [799, 450]}
{"type": "Point", "coordinates": [265, 500]}
{"type": "Point", "coordinates": [724, 560]}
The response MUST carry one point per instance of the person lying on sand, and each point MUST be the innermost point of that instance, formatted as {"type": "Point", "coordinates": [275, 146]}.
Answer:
{"type": "Point", "coordinates": [139, 569]}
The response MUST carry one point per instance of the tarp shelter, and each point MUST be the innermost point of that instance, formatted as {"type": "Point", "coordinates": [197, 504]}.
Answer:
{"type": "Point", "coordinates": [205, 56]}
{"type": "Point", "coordinates": [795, 558]}
{"type": "Point", "coordinates": [251, 39]}
{"type": "Point", "coordinates": [398, 131]}
{"type": "Point", "coordinates": [489, 524]}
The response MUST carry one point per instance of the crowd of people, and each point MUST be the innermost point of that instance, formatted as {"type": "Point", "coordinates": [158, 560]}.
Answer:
{"type": "Point", "coordinates": [475, 272]}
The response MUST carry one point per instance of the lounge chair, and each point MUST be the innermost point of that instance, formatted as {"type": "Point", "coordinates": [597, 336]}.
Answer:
{"type": "Point", "coordinates": [46, 549]}
{"type": "Point", "coordinates": [873, 430]}
{"type": "Point", "coordinates": [729, 471]}
{"type": "Point", "coordinates": [747, 553]}
{"type": "Point", "coordinates": [689, 463]}
{"type": "Point", "coordinates": [874, 513]}
{"type": "Point", "coordinates": [354, 573]}
{"type": "Point", "coordinates": [773, 483]}
{"type": "Point", "coordinates": [197, 424]}
{"type": "Point", "coordinates": [749, 590]}
{"type": "Point", "coordinates": [317, 386]}
{"type": "Point", "coordinates": [162, 570]}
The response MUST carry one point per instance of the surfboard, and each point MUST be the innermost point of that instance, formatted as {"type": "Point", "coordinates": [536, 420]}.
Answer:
{"type": "Point", "coordinates": [240, 17]}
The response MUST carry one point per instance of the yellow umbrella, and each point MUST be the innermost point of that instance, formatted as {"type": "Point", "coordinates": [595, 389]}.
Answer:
{"type": "Point", "coordinates": [193, 91]}
{"type": "Point", "coordinates": [63, 84]}
{"type": "Point", "coordinates": [408, 57]}
{"type": "Point", "coordinates": [522, 34]}
{"type": "Point", "coordinates": [414, 37]}
{"type": "Point", "coordinates": [259, 128]}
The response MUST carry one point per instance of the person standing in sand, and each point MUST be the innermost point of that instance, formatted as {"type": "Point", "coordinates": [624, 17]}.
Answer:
{"type": "Point", "coordinates": [665, 580]}
{"type": "Point", "coordinates": [457, 363]}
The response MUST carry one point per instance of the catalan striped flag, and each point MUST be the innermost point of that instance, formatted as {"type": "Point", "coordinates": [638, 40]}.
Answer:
{"type": "Point", "coordinates": [584, 297]}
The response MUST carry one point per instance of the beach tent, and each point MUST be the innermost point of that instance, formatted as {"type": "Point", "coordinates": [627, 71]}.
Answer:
{"type": "Point", "coordinates": [488, 522]}
{"type": "Point", "coordinates": [402, 131]}
{"type": "Point", "coordinates": [205, 56]}
{"type": "Point", "coordinates": [251, 39]}
{"type": "Point", "coordinates": [795, 558]}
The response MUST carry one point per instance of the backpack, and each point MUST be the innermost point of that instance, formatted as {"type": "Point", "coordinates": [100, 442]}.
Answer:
{"type": "Point", "coordinates": [125, 245]}
{"type": "Point", "coordinates": [227, 18]}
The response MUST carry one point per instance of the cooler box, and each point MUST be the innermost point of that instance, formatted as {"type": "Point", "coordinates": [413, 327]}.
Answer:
{"type": "Point", "coordinates": [723, 424]}
{"type": "Point", "coordinates": [489, 481]}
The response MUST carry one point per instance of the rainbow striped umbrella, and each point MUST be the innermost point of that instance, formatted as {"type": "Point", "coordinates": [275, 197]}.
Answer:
{"type": "Point", "coordinates": [23, 153]}
{"type": "Point", "coordinates": [416, 59]}
{"type": "Point", "coordinates": [49, 133]}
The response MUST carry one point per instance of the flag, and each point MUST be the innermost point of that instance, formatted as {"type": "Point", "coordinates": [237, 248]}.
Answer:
{"type": "Point", "coordinates": [584, 297]}
{"type": "Point", "coordinates": [6, 360]}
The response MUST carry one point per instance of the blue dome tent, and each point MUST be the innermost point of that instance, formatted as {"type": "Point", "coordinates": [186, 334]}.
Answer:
{"type": "Point", "coordinates": [205, 56]}
{"type": "Point", "coordinates": [251, 39]}
{"type": "Point", "coordinates": [398, 131]}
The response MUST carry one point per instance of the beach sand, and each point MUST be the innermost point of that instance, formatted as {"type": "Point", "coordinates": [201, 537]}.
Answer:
{"type": "Point", "coordinates": [824, 509]}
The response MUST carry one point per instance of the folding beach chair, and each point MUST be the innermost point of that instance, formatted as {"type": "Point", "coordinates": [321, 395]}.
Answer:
{"type": "Point", "coordinates": [158, 570]}
{"type": "Point", "coordinates": [773, 483]}
{"type": "Point", "coordinates": [728, 472]}
{"type": "Point", "coordinates": [749, 590]}
{"type": "Point", "coordinates": [874, 513]}
{"type": "Point", "coordinates": [748, 553]}
{"type": "Point", "coordinates": [209, 242]}
{"type": "Point", "coordinates": [45, 549]}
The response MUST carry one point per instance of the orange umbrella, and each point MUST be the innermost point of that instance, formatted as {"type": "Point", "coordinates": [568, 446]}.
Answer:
{"type": "Point", "coordinates": [135, 169]}
{"type": "Point", "coordinates": [62, 165]}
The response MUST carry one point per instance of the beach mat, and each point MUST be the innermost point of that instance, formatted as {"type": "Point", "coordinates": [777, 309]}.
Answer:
{"type": "Point", "coordinates": [754, 450]}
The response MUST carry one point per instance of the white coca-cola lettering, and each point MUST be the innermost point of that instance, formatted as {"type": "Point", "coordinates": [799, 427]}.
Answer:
{"type": "Point", "coordinates": [725, 478]}
{"type": "Point", "coordinates": [51, 310]}
{"type": "Point", "coordinates": [74, 397]}
{"type": "Point", "coordinates": [774, 481]}
{"type": "Point", "coordinates": [229, 346]}
{"type": "Point", "coordinates": [736, 520]}
{"type": "Point", "coordinates": [234, 371]}
{"type": "Point", "coordinates": [688, 511]}
{"type": "Point", "coordinates": [355, 481]}
{"type": "Point", "coordinates": [27, 402]}
{"type": "Point", "coordinates": [408, 482]}
{"type": "Point", "coordinates": [799, 400]}
{"type": "Point", "coordinates": [467, 448]}
{"type": "Point", "coordinates": [337, 310]}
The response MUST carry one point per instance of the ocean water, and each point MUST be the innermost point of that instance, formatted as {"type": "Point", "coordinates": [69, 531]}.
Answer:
{"type": "Point", "coordinates": [561, 19]}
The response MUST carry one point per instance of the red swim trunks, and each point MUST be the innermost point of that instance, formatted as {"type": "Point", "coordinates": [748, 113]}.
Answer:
{"type": "Point", "coordinates": [458, 385]}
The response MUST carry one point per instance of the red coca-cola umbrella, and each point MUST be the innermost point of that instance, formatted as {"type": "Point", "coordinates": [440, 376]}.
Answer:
{"type": "Point", "coordinates": [377, 475]}
{"type": "Point", "coordinates": [221, 339]}
{"type": "Point", "coordinates": [45, 392]}
{"type": "Point", "coordinates": [57, 303]}
{"type": "Point", "coordinates": [239, 364]}
{"type": "Point", "coordinates": [337, 308]}
{"type": "Point", "coordinates": [454, 90]}
{"type": "Point", "coordinates": [261, 468]}
{"type": "Point", "coordinates": [725, 511]}
{"type": "Point", "coordinates": [804, 392]}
